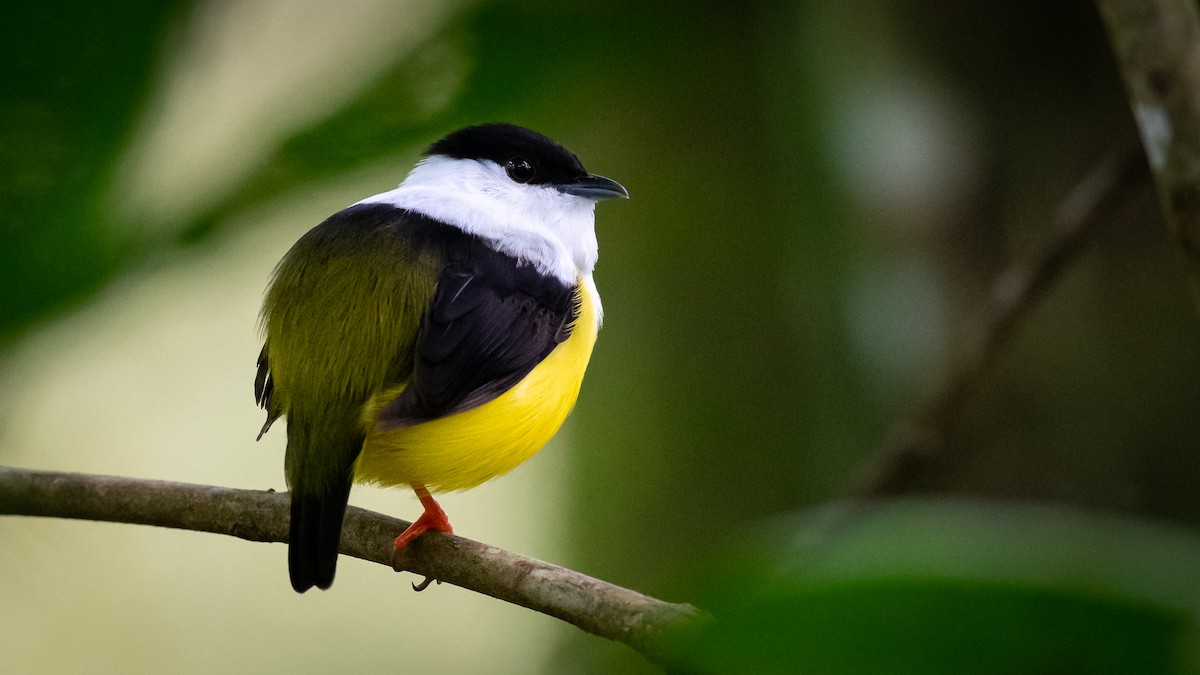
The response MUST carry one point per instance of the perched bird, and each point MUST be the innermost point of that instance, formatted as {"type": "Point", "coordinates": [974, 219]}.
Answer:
{"type": "Point", "coordinates": [434, 335]}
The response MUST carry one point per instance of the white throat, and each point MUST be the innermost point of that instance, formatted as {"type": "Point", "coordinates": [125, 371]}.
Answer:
{"type": "Point", "coordinates": [551, 230]}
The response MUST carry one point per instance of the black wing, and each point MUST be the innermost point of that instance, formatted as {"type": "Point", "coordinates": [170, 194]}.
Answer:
{"type": "Point", "coordinates": [264, 392]}
{"type": "Point", "coordinates": [492, 321]}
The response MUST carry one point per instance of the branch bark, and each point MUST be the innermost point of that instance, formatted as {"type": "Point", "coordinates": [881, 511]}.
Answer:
{"type": "Point", "coordinates": [1157, 45]}
{"type": "Point", "coordinates": [646, 624]}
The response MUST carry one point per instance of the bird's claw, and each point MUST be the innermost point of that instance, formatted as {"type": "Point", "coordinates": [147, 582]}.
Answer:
{"type": "Point", "coordinates": [425, 584]}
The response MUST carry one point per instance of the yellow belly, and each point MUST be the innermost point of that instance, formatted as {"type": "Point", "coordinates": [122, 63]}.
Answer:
{"type": "Point", "coordinates": [465, 449]}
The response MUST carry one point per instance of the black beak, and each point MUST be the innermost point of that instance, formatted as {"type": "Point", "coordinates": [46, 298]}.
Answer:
{"type": "Point", "coordinates": [595, 187]}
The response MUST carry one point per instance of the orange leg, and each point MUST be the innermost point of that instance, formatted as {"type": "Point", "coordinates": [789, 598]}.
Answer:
{"type": "Point", "coordinates": [434, 518]}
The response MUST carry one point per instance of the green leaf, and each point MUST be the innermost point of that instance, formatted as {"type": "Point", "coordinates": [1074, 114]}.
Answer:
{"type": "Point", "coordinates": [952, 586]}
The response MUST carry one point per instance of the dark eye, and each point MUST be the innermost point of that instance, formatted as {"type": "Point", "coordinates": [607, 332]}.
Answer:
{"type": "Point", "coordinates": [519, 169]}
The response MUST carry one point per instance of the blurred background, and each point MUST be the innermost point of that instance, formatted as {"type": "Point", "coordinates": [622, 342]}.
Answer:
{"type": "Point", "coordinates": [822, 193]}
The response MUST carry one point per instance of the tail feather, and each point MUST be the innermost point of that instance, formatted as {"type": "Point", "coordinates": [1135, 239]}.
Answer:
{"type": "Point", "coordinates": [315, 533]}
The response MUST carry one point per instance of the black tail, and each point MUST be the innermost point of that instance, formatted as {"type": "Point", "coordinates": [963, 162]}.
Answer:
{"type": "Point", "coordinates": [316, 531]}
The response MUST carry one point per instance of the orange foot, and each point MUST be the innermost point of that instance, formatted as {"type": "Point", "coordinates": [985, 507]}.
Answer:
{"type": "Point", "coordinates": [434, 518]}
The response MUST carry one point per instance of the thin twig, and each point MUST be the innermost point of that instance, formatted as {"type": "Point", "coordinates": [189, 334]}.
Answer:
{"type": "Point", "coordinates": [1157, 45]}
{"type": "Point", "coordinates": [917, 441]}
{"type": "Point", "coordinates": [648, 625]}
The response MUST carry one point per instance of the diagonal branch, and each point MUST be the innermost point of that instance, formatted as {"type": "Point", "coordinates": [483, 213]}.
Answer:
{"type": "Point", "coordinates": [914, 443]}
{"type": "Point", "coordinates": [598, 607]}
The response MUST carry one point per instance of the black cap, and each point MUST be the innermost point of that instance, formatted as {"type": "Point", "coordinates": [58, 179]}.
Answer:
{"type": "Point", "coordinates": [504, 144]}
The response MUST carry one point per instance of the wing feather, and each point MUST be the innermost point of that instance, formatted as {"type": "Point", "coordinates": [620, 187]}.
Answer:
{"type": "Point", "coordinates": [492, 320]}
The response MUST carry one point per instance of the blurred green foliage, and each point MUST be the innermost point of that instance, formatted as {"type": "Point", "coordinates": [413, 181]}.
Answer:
{"type": "Point", "coordinates": [935, 626]}
{"type": "Point", "coordinates": [953, 586]}
{"type": "Point", "coordinates": [73, 81]}
{"type": "Point", "coordinates": [729, 383]}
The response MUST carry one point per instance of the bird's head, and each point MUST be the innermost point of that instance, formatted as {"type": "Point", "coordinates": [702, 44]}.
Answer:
{"type": "Point", "coordinates": [523, 192]}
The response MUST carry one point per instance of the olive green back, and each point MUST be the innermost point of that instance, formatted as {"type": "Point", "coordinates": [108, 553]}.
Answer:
{"type": "Point", "coordinates": [340, 317]}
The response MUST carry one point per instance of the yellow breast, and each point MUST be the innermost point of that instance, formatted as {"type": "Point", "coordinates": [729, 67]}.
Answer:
{"type": "Point", "coordinates": [465, 449]}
